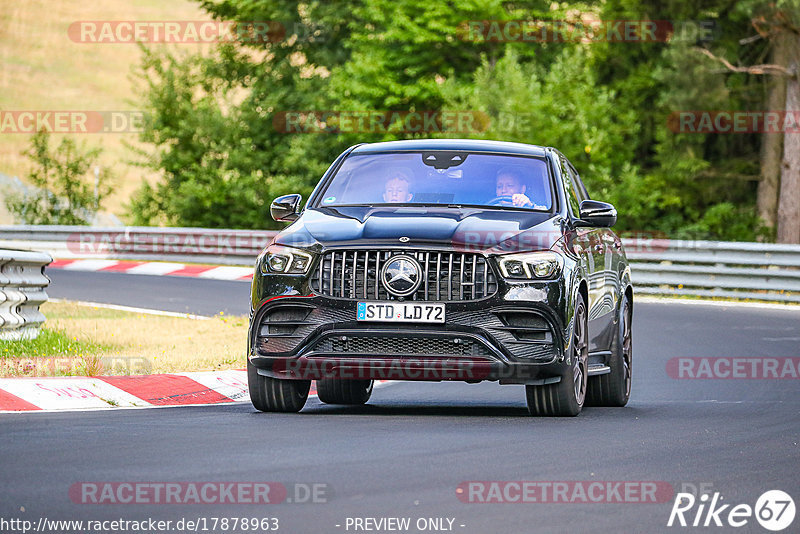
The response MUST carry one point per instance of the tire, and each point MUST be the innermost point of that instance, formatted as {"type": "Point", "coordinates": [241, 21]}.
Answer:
{"type": "Point", "coordinates": [614, 388]}
{"type": "Point", "coordinates": [566, 397]}
{"type": "Point", "coordinates": [334, 391]}
{"type": "Point", "coordinates": [275, 395]}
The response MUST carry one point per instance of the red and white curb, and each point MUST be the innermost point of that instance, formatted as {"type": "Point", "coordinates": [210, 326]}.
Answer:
{"type": "Point", "coordinates": [142, 391]}
{"type": "Point", "coordinates": [77, 393]}
{"type": "Point", "coordinates": [159, 268]}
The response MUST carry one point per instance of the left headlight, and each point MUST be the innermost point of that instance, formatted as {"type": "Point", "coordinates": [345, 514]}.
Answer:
{"type": "Point", "coordinates": [532, 265]}
{"type": "Point", "coordinates": [286, 260]}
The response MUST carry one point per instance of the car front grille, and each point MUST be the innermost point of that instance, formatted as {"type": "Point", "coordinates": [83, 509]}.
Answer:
{"type": "Point", "coordinates": [448, 276]}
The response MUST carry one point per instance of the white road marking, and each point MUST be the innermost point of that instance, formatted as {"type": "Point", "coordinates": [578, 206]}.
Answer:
{"type": "Point", "coordinates": [226, 273]}
{"type": "Point", "coordinates": [155, 268]}
{"type": "Point", "coordinates": [89, 265]}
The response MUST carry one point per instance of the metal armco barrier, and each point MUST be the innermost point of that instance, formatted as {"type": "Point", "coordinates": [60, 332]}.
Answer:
{"type": "Point", "coordinates": [715, 269]}
{"type": "Point", "coordinates": [659, 266]}
{"type": "Point", "coordinates": [22, 291]}
{"type": "Point", "coordinates": [185, 245]}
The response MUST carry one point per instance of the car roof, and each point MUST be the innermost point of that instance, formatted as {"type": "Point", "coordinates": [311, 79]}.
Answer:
{"type": "Point", "coordinates": [471, 145]}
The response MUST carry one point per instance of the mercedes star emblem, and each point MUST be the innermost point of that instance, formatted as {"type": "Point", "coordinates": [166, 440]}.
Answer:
{"type": "Point", "coordinates": [401, 275]}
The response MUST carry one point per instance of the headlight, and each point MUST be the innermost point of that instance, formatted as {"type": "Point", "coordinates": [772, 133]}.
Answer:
{"type": "Point", "coordinates": [280, 259]}
{"type": "Point", "coordinates": [532, 265]}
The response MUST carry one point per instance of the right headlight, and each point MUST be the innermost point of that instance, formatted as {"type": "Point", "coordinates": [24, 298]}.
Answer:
{"type": "Point", "coordinates": [532, 265]}
{"type": "Point", "coordinates": [287, 260]}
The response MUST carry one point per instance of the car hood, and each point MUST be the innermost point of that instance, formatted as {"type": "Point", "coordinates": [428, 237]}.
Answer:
{"type": "Point", "coordinates": [473, 229]}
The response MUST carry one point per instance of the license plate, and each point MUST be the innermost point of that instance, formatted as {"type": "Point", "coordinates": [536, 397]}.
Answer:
{"type": "Point", "coordinates": [400, 312]}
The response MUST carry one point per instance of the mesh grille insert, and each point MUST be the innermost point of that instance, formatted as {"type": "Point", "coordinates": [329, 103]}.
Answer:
{"type": "Point", "coordinates": [447, 276]}
{"type": "Point", "coordinates": [380, 345]}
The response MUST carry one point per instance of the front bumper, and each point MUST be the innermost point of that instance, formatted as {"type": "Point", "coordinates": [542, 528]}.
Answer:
{"type": "Point", "coordinates": [315, 337]}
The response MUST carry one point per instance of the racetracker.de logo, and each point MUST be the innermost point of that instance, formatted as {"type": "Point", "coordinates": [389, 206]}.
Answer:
{"type": "Point", "coordinates": [727, 367]}
{"type": "Point", "coordinates": [355, 121]}
{"type": "Point", "coordinates": [564, 492]}
{"type": "Point", "coordinates": [82, 122]}
{"type": "Point", "coordinates": [387, 369]}
{"type": "Point", "coordinates": [176, 31]}
{"type": "Point", "coordinates": [72, 365]}
{"type": "Point", "coordinates": [177, 492]}
{"type": "Point", "coordinates": [239, 243]}
{"type": "Point", "coordinates": [200, 492]}
{"type": "Point", "coordinates": [734, 122]}
{"type": "Point", "coordinates": [586, 30]}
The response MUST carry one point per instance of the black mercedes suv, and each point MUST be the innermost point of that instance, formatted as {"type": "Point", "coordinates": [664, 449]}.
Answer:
{"type": "Point", "coordinates": [443, 260]}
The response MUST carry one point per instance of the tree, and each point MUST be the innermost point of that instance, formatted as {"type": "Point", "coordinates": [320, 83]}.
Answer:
{"type": "Point", "coordinates": [559, 105]}
{"type": "Point", "coordinates": [62, 193]}
{"type": "Point", "coordinates": [779, 189]}
{"type": "Point", "coordinates": [211, 124]}
{"type": "Point", "coordinates": [605, 104]}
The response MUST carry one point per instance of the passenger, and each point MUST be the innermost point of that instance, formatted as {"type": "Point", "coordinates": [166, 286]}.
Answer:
{"type": "Point", "coordinates": [396, 188]}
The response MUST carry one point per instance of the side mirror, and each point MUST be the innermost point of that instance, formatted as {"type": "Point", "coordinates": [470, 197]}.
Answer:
{"type": "Point", "coordinates": [597, 214]}
{"type": "Point", "coordinates": [285, 208]}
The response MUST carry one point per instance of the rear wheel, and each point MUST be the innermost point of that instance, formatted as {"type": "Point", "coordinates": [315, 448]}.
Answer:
{"type": "Point", "coordinates": [565, 398]}
{"type": "Point", "coordinates": [614, 388]}
{"type": "Point", "coordinates": [334, 391]}
{"type": "Point", "coordinates": [275, 395]}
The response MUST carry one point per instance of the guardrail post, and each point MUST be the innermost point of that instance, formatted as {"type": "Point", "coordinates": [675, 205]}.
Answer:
{"type": "Point", "coordinates": [22, 291]}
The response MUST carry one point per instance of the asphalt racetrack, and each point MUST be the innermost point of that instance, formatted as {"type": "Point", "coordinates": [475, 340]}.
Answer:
{"type": "Point", "coordinates": [412, 451]}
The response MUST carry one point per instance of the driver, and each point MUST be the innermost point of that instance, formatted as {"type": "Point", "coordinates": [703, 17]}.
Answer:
{"type": "Point", "coordinates": [509, 184]}
{"type": "Point", "coordinates": [396, 187]}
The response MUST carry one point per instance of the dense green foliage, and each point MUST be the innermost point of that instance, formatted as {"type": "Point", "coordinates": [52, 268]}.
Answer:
{"type": "Point", "coordinates": [214, 118]}
{"type": "Point", "coordinates": [61, 193]}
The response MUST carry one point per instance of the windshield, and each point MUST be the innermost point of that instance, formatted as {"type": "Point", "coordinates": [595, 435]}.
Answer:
{"type": "Point", "coordinates": [441, 177]}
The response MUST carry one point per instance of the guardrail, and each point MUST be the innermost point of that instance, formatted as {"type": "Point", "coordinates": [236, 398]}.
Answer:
{"type": "Point", "coordinates": [185, 245]}
{"type": "Point", "coordinates": [659, 266]}
{"type": "Point", "coordinates": [715, 269]}
{"type": "Point", "coordinates": [22, 291]}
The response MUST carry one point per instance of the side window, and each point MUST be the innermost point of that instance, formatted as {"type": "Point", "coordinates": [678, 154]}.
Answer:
{"type": "Point", "coordinates": [571, 186]}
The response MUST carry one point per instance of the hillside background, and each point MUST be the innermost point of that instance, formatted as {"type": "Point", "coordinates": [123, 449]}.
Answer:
{"type": "Point", "coordinates": [42, 69]}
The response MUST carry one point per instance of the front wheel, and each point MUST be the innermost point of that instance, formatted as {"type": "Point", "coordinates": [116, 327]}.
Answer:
{"type": "Point", "coordinates": [334, 391]}
{"type": "Point", "coordinates": [565, 398]}
{"type": "Point", "coordinates": [275, 395]}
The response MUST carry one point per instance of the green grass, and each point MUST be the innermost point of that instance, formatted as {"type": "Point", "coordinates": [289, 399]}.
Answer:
{"type": "Point", "coordinates": [52, 353]}
{"type": "Point", "coordinates": [87, 340]}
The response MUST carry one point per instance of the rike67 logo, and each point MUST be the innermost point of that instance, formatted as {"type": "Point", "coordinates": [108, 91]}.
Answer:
{"type": "Point", "coordinates": [774, 510]}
